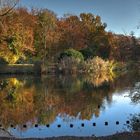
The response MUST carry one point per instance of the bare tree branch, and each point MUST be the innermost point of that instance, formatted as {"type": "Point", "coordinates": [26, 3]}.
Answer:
{"type": "Point", "coordinates": [11, 6]}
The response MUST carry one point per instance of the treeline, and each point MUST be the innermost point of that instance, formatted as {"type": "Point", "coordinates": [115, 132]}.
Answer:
{"type": "Point", "coordinates": [27, 36]}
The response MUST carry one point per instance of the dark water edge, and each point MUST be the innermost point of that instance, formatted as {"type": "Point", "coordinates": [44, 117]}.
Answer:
{"type": "Point", "coordinates": [36, 69]}
{"type": "Point", "coordinates": [119, 136]}
{"type": "Point", "coordinates": [20, 69]}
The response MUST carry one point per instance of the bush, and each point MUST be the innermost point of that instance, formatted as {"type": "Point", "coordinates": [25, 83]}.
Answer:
{"type": "Point", "coordinates": [88, 53]}
{"type": "Point", "coordinates": [99, 70]}
{"type": "Point", "coordinates": [73, 54]}
{"type": "Point", "coordinates": [96, 65]}
{"type": "Point", "coordinates": [2, 61]}
{"type": "Point", "coordinates": [69, 65]}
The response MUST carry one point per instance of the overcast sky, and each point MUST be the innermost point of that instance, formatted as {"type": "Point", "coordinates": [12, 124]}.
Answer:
{"type": "Point", "coordinates": [120, 15]}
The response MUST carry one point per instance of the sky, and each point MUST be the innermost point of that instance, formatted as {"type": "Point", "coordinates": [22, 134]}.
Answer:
{"type": "Point", "coordinates": [121, 16]}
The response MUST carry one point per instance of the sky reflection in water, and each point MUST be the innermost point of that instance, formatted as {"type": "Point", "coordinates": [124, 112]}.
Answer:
{"type": "Point", "coordinates": [75, 103]}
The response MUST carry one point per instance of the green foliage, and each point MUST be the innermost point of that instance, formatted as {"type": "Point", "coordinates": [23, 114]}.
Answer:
{"type": "Point", "coordinates": [88, 53]}
{"type": "Point", "coordinates": [73, 54]}
{"type": "Point", "coordinates": [16, 38]}
{"type": "Point", "coordinates": [46, 23]}
{"type": "Point", "coordinates": [11, 94]}
{"type": "Point", "coordinates": [3, 84]}
{"type": "Point", "coordinates": [2, 61]}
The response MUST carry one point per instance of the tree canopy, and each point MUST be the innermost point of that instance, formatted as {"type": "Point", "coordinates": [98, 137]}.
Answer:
{"type": "Point", "coordinates": [40, 34]}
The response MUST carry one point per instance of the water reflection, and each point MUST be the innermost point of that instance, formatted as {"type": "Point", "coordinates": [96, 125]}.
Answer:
{"type": "Point", "coordinates": [34, 100]}
{"type": "Point", "coordinates": [135, 93]}
{"type": "Point", "coordinates": [134, 124]}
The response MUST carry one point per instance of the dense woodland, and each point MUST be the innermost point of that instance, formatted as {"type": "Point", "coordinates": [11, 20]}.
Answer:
{"type": "Point", "coordinates": [33, 35]}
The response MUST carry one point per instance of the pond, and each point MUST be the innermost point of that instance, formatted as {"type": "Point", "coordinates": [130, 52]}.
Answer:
{"type": "Point", "coordinates": [69, 105]}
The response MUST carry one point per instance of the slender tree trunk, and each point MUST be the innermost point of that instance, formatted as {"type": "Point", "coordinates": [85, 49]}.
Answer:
{"type": "Point", "coordinates": [44, 53]}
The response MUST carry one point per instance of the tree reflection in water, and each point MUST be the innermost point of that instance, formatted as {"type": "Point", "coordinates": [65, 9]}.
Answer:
{"type": "Point", "coordinates": [39, 100]}
{"type": "Point", "coordinates": [135, 93]}
{"type": "Point", "coordinates": [134, 123]}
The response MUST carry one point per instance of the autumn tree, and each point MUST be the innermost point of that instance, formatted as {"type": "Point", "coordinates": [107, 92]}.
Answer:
{"type": "Point", "coordinates": [46, 23]}
{"type": "Point", "coordinates": [73, 34]}
{"type": "Point", "coordinates": [41, 35]}
{"type": "Point", "coordinates": [16, 37]}
{"type": "Point", "coordinates": [96, 37]}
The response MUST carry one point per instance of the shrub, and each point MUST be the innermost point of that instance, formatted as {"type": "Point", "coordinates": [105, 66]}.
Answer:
{"type": "Point", "coordinates": [88, 53]}
{"type": "Point", "coordinates": [2, 61]}
{"type": "Point", "coordinates": [73, 54]}
{"type": "Point", "coordinates": [96, 65]}
{"type": "Point", "coordinates": [69, 65]}
{"type": "Point", "coordinates": [99, 70]}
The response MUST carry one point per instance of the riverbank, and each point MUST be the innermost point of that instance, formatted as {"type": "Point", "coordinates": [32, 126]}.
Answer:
{"type": "Point", "coordinates": [20, 69]}
{"type": "Point", "coordinates": [97, 68]}
{"type": "Point", "coordinates": [120, 136]}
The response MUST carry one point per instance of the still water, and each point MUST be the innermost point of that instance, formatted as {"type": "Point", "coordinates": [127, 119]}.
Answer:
{"type": "Point", "coordinates": [69, 105]}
